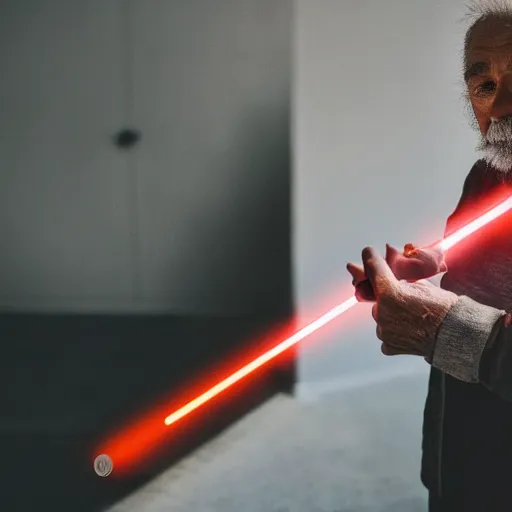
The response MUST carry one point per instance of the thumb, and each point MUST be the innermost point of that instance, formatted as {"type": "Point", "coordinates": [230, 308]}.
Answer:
{"type": "Point", "coordinates": [378, 271]}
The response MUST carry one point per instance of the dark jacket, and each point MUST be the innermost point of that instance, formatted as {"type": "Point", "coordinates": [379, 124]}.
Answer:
{"type": "Point", "coordinates": [467, 431]}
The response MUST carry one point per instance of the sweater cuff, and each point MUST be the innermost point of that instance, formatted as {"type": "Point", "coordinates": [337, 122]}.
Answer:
{"type": "Point", "coordinates": [462, 338]}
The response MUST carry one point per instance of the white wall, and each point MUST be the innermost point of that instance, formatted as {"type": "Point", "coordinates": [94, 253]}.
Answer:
{"type": "Point", "coordinates": [195, 219]}
{"type": "Point", "coordinates": [382, 146]}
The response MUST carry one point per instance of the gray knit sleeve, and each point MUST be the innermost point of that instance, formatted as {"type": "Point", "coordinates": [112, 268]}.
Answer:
{"type": "Point", "coordinates": [462, 338]}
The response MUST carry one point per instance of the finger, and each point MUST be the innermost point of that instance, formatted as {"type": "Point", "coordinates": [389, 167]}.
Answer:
{"type": "Point", "coordinates": [393, 259]}
{"type": "Point", "coordinates": [357, 272]}
{"type": "Point", "coordinates": [378, 271]}
{"type": "Point", "coordinates": [419, 263]}
{"type": "Point", "coordinates": [375, 311]}
{"type": "Point", "coordinates": [391, 255]}
{"type": "Point", "coordinates": [364, 291]}
{"type": "Point", "coordinates": [388, 350]}
{"type": "Point", "coordinates": [410, 250]}
{"type": "Point", "coordinates": [363, 296]}
{"type": "Point", "coordinates": [409, 267]}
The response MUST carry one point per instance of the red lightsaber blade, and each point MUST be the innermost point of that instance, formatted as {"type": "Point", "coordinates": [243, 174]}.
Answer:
{"type": "Point", "coordinates": [104, 463]}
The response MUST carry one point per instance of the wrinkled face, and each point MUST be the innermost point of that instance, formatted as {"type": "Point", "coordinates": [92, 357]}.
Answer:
{"type": "Point", "coordinates": [488, 76]}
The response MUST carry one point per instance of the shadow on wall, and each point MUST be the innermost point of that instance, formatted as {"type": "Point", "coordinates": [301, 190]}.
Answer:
{"type": "Point", "coordinates": [239, 256]}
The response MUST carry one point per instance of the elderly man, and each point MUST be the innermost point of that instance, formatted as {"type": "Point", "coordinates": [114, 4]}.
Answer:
{"type": "Point", "coordinates": [462, 328]}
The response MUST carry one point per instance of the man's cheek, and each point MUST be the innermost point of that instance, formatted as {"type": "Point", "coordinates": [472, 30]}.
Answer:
{"type": "Point", "coordinates": [482, 118]}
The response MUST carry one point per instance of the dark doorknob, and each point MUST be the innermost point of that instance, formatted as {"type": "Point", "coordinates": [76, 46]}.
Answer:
{"type": "Point", "coordinates": [127, 138]}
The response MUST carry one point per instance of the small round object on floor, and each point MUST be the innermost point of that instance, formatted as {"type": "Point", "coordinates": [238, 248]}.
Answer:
{"type": "Point", "coordinates": [103, 465]}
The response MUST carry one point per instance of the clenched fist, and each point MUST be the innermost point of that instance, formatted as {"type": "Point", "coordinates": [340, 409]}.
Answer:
{"type": "Point", "coordinates": [408, 315]}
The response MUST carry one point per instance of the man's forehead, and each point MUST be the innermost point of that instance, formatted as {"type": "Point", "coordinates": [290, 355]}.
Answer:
{"type": "Point", "coordinates": [490, 34]}
{"type": "Point", "coordinates": [489, 40]}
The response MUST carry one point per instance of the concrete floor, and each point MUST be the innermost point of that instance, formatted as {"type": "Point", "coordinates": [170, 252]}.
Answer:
{"type": "Point", "coordinates": [356, 450]}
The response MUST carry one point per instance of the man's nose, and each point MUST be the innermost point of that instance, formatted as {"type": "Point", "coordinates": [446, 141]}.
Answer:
{"type": "Point", "coordinates": [502, 105]}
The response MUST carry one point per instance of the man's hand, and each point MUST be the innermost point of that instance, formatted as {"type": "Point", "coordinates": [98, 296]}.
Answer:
{"type": "Point", "coordinates": [412, 265]}
{"type": "Point", "coordinates": [408, 315]}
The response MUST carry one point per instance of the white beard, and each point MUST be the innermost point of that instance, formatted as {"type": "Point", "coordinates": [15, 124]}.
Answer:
{"type": "Point", "coordinates": [498, 156]}
{"type": "Point", "coordinates": [497, 145]}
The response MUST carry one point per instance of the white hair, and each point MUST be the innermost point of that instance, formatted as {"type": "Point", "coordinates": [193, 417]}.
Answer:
{"type": "Point", "coordinates": [484, 8]}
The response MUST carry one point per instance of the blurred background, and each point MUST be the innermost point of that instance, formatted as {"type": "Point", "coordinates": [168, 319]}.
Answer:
{"type": "Point", "coordinates": [178, 181]}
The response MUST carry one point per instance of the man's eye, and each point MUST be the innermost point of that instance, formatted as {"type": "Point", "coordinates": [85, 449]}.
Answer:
{"type": "Point", "coordinates": [487, 87]}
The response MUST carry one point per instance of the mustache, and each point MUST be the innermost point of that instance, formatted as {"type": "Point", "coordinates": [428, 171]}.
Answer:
{"type": "Point", "coordinates": [496, 145]}
{"type": "Point", "coordinates": [499, 133]}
